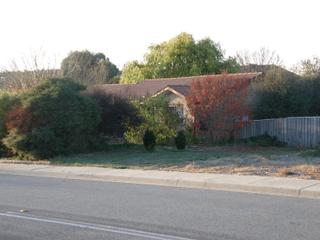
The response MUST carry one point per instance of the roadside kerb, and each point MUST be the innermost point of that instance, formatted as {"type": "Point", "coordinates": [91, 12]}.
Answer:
{"type": "Point", "coordinates": [254, 184]}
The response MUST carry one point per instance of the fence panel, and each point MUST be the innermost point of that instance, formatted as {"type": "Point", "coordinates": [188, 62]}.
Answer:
{"type": "Point", "coordinates": [295, 131]}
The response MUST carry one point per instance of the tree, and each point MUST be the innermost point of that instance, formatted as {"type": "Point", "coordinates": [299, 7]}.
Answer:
{"type": "Point", "coordinates": [270, 98]}
{"type": "Point", "coordinates": [180, 56]}
{"type": "Point", "coordinates": [156, 116]}
{"type": "Point", "coordinates": [280, 94]}
{"type": "Point", "coordinates": [27, 72]}
{"type": "Point", "coordinates": [308, 68]}
{"type": "Point", "coordinates": [132, 72]}
{"type": "Point", "coordinates": [88, 68]}
{"type": "Point", "coordinates": [53, 118]}
{"type": "Point", "coordinates": [262, 56]}
{"type": "Point", "coordinates": [219, 106]}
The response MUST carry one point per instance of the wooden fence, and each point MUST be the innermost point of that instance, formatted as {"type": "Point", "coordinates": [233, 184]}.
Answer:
{"type": "Point", "coordinates": [295, 131]}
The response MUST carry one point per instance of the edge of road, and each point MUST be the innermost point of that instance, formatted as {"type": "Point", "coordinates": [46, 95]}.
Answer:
{"type": "Point", "coordinates": [253, 184]}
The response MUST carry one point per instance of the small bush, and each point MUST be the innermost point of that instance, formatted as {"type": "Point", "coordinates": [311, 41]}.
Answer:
{"type": "Point", "coordinates": [265, 140]}
{"type": "Point", "coordinates": [181, 140]}
{"type": "Point", "coordinates": [149, 140]}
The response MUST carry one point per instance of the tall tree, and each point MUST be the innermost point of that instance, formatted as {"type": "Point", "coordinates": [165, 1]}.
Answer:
{"type": "Point", "coordinates": [132, 72]}
{"type": "Point", "coordinates": [219, 106]}
{"type": "Point", "coordinates": [88, 68]}
{"type": "Point", "coordinates": [180, 56]}
{"type": "Point", "coordinates": [308, 68]}
{"type": "Point", "coordinates": [254, 60]}
{"type": "Point", "coordinates": [28, 71]}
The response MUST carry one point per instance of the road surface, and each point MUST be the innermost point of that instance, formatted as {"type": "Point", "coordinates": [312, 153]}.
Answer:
{"type": "Point", "coordinates": [66, 209]}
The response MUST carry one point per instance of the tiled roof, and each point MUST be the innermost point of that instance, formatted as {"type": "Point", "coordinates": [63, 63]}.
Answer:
{"type": "Point", "coordinates": [182, 89]}
{"type": "Point", "coordinates": [152, 86]}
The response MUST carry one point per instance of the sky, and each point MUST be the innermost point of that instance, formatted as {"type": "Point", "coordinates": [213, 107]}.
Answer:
{"type": "Point", "coordinates": [123, 29]}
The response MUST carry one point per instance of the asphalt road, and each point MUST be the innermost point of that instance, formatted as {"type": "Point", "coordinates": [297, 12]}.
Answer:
{"type": "Point", "coordinates": [84, 210]}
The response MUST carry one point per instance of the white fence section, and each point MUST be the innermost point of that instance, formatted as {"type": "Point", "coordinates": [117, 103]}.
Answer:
{"type": "Point", "coordinates": [295, 131]}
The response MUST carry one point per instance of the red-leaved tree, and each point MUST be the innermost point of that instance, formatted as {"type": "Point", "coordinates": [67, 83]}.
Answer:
{"type": "Point", "coordinates": [219, 106]}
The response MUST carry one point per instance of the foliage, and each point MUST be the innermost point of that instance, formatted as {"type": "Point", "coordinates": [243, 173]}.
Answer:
{"type": "Point", "coordinates": [157, 117]}
{"type": "Point", "coordinates": [262, 56]}
{"type": "Point", "coordinates": [149, 140]}
{"type": "Point", "coordinates": [27, 72]}
{"type": "Point", "coordinates": [88, 68]}
{"type": "Point", "coordinates": [7, 100]}
{"type": "Point", "coordinates": [281, 95]}
{"type": "Point", "coordinates": [40, 143]}
{"type": "Point", "coordinates": [132, 72]}
{"type": "Point", "coordinates": [265, 140]}
{"type": "Point", "coordinates": [218, 106]}
{"type": "Point", "coordinates": [117, 114]}
{"type": "Point", "coordinates": [52, 119]}
{"type": "Point", "coordinates": [180, 140]}
{"type": "Point", "coordinates": [180, 56]}
{"type": "Point", "coordinates": [309, 68]}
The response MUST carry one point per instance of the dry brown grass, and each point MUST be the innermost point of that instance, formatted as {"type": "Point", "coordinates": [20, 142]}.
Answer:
{"type": "Point", "coordinates": [242, 160]}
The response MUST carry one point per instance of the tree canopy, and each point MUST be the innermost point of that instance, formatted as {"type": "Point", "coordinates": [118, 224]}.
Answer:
{"type": "Point", "coordinates": [309, 68]}
{"type": "Point", "coordinates": [88, 68]}
{"type": "Point", "coordinates": [180, 56]}
{"type": "Point", "coordinates": [218, 105]}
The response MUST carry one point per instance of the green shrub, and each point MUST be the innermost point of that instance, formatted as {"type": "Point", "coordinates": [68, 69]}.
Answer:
{"type": "Point", "coordinates": [265, 140]}
{"type": "Point", "coordinates": [117, 114]}
{"type": "Point", "coordinates": [53, 119]}
{"type": "Point", "coordinates": [157, 116]}
{"type": "Point", "coordinates": [149, 140]}
{"type": "Point", "coordinates": [7, 100]}
{"type": "Point", "coordinates": [180, 140]}
{"type": "Point", "coordinates": [40, 143]}
{"type": "Point", "coordinates": [134, 135]}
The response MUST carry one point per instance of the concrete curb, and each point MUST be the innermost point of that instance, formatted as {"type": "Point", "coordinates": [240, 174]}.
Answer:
{"type": "Point", "coordinates": [253, 184]}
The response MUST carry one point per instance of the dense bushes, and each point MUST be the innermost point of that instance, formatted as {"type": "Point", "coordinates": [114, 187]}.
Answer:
{"type": "Point", "coordinates": [156, 116]}
{"type": "Point", "coordinates": [283, 95]}
{"type": "Point", "coordinates": [52, 119]}
{"type": "Point", "coordinates": [116, 114]}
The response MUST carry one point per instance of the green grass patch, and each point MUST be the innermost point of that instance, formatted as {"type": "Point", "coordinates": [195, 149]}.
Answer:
{"type": "Point", "coordinates": [310, 153]}
{"type": "Point", "coordinates": [136, 156]}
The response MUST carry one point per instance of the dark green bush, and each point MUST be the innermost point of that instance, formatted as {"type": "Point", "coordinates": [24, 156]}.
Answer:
{"type": "Point", "coordinates": [149, 140]}
{"type": "Point", "coordinates": [53, 119]}
{"type": "Point", "coordinates": [265, 140]}
{"type": "Point", "coordinates": [117, 114]}
{"type": "Point", "coordinates": [40, 143]}
{"type": "Point", "coordinates": [7, 100]}
{"type": "Point", "coordinates": [181, 140]}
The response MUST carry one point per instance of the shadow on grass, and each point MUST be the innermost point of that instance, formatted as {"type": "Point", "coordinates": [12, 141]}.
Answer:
{"type": "Point", "coordinates": [124, 156]}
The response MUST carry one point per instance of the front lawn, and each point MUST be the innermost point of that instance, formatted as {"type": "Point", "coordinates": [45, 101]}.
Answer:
{"type": "Point", "coordinates": [265, 161]}
{"type": "Point", "coordinates": [238, 159]}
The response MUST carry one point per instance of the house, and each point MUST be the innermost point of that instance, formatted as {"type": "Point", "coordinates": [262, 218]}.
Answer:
{"type": "Point", "coordinates": [175, 89]}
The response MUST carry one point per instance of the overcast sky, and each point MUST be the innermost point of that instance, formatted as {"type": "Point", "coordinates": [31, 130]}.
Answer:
{"type": "Point", "coordinates": [123, 29]}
